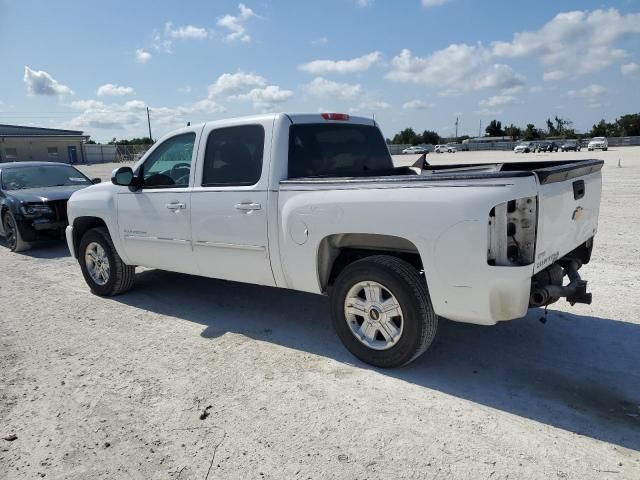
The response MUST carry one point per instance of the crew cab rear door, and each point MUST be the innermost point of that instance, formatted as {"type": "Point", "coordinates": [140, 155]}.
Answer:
{"type": "Point", "coordinates": [229, 203]}
{"type": "Point", "coordinates": [568, 206]}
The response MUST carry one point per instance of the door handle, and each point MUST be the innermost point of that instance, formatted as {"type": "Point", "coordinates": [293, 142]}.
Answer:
{"type": "Point", "coordinates": [176, 206]}
{"type": "Point", "coordinates": [248, 207]}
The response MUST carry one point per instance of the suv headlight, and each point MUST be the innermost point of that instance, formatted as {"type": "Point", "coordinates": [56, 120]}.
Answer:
{"type": "Point", "coordinates": [35, 210]}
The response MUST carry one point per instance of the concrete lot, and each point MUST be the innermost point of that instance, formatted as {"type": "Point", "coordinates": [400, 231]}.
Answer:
{"type": "Point", "coordinates": [116, 388]}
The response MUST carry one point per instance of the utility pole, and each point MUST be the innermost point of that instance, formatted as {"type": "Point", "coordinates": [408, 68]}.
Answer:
{"type": "Point", "coordinates": [480, 128]}
{"type": "Point", "coordinates": [149, 123]}
{"type": "Point", "coordinates": [456, 129]}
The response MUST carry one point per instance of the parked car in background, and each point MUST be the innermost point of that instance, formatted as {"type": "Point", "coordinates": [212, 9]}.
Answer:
{"type": "Point", "coordinates": [524, 147]}
{"type": "Point", "coordinates": [313, 202]}
{"type": "Point", "coordinates": [415, 150]}
{"type": "Point", "coordinates": [445, 149]}
{"type": "Point", "coordinates": [571, 146]}
{"type": "Point", "coordinates": [33, 200]}
{"type": "Point", "coordinates": [547, 147]}
{"type": "Point", "coordinates": [598, 143]}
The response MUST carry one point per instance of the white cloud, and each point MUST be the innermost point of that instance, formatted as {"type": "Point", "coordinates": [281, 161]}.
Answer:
{"type": "Point", "coordinates": [142, 56]}
{"type": "Point", "coordinates": [363, 3]}
{"type": "Point", "coordinates": [186, 32]}
{"type": "Point", "coordinates": [536, 89]}
{"type": "Point", "coordinates": [574, 43]}
{"type": "Point", "coordinates": [111, 90]}
{"type": "Point", "coordinates": [185, 89]}
{"type": "Point", "coordinates": [512, 90]}
{"type": "Point", "coordinates": [457, 68]}
{"type": "Point", "coordinates": [325, 67]}
{"type": "Point", "coordinates": [87, 104]}
{"type": "Point", "coordinates": [265, 99]}
{"type": "Point", "coordinates": [320, 41]}
{"type": "Point", "coordinates": [498, 101]}
{"type": "Point", "coordinates": [132, 115]}
{"type": "Point", "coordinates": [370, 105]}
{"type": "Point", "coordinates": [205, 105]}
{"type": "Point", "coordinates": [235, 24]}
{"type": "Point", "coordinates": [321, 87]}
{"type": "Point", "coordinates": [41, 83]}
{"type": "Point", "coordinates": [629, 68]}
{"type": "Point", "coordinates": [433, 3]}
{"type": "Point", "coordinates": [485, 112]}
{"type": "Point", "coordinates": [590, 92]}
{"type": "Point", "coordinates": [417, 105]}
{"type": "Point", "coordinates": [233, 82]}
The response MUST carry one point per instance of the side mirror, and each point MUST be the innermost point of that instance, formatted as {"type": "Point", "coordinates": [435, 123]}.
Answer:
{"type": "Point", "coordinates": [96, 180]}
{"type": "Point", "coordinates": [122, 176]}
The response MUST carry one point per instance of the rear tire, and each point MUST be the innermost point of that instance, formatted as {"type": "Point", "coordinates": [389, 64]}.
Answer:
{"type": "Point", "coordinates": [389, 328]}
{"type": "Point", "coordinates": [12, 234]}
{"type": "Point", "coordinates": [102, 268]}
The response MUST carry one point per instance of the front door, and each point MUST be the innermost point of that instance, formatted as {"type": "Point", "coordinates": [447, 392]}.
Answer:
{"type": "Point", "coordinates": [73, 154]}
{"type": "Point", "coordinates": [154, 221]}
{"type": "Point", "coordinates": [229, 205]}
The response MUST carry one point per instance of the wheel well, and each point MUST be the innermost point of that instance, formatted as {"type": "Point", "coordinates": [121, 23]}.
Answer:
{"type": "Point", "coordinates": [338, 251]}
{"type": "Point", "coordinates": [82, 225]}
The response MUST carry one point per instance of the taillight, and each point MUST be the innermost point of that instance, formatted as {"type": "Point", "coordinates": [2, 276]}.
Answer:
{"type": "Point", "coordinates": [512, 232]}
{"type": "Point", "coordinates": [336, 116]}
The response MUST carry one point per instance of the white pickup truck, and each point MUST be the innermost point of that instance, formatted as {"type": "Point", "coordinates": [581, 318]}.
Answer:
{"type": "Point", "coordinates": [313, 202]}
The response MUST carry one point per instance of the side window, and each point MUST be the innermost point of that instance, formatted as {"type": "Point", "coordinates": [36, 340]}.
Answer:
{"type": "Point", "coordinates": [169, 165]}
{"type": "Point", "coordinates": [234, 156]}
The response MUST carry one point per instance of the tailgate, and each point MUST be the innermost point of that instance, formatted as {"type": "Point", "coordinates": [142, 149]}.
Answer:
{"type": "Point", "coordinates": [568, 205]}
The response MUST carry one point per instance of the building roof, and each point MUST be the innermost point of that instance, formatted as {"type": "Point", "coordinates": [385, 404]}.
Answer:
{"type": "Point", "coordinates": [21, 131]}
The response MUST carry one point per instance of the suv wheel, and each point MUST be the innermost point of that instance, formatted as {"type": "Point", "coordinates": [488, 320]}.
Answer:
{"type": "Point", "coordinates": [382, 311]}
{"type": "Point", "coordinates": [102, 268]}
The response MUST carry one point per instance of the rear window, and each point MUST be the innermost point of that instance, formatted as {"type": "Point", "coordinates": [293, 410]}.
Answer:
{"type": "Point", "coordinates": [337, 150]}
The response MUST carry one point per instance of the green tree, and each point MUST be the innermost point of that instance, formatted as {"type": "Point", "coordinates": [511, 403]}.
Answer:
{"type": "Point", "coordinates": [430, 137]}
{"type": "Point", "coordinates": [601, 129]}
{"type": "Point", "coordinates": [531, 132]}
{"type": "Point", "coordinates": [494, 129]}
{"type": "Point", "coordinates": [513, 132]}
{"type": "Point", "coordinates": [629, 125]}
{"type": "Point", "coordinates": [408, 135]}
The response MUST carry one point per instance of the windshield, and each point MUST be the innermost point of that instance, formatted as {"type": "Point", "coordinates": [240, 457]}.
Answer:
{"type": "Point", "coordinates": [336, 150]}
{"type": "Point", "coordinates": [597, 139]}
{"type": "Point", "coordinates": [42, 176]}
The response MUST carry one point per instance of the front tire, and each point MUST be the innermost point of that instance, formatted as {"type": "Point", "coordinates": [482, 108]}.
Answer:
{"type": "Point", "coordinates": [382, 311]}
{"type": "Point", "coordinates": [102, 268]}
{"type": "Point", "coordinates": [12, 234]}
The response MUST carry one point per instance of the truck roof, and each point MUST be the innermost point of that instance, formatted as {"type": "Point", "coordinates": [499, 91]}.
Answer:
{"type": "Point", "coordinates": [297, 118]}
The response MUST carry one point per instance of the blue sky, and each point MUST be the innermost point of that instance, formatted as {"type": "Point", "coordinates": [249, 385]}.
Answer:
{"type": "Point", "coordinates": [96, 65]}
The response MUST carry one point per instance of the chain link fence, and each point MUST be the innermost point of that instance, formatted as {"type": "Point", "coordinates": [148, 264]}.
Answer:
{"type": "Point", "coordinates": [98, 153]}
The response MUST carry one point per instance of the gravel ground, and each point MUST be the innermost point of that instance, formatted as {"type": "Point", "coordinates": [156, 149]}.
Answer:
{"type": "Point", "coordinates": [187, 377]}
